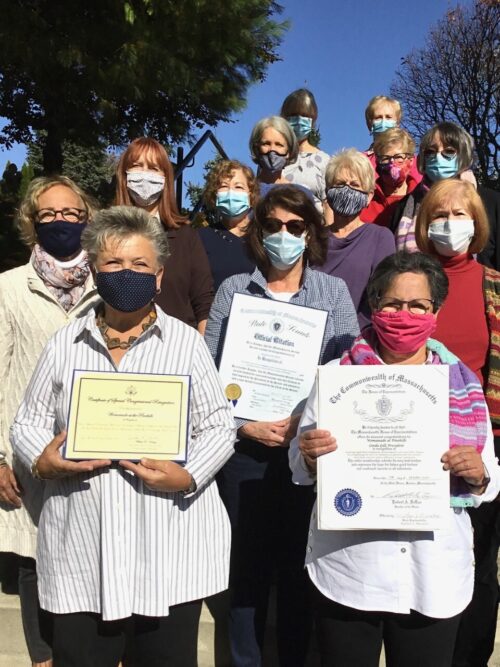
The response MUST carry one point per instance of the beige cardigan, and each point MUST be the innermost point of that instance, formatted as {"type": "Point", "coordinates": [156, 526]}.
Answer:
{"type": "Point", "coordinates": [29, 315]}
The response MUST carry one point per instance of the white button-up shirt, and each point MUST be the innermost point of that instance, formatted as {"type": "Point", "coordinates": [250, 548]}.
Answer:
{"type": "Point", "coordinates": [107, 544]}
{"type": "Point", "coordinates": [395, 571]}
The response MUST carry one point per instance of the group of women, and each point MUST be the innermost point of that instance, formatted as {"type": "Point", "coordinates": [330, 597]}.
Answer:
{"type": "Point", "coordinates": [127, 551]}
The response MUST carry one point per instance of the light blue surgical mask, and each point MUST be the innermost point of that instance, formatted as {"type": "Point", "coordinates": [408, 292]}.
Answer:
{"type": "Point", "coordinates": [232, 203]}
{"type": "Point", "coordinates": [283, 249]}
{"type": "Point", "coordinates": [301, 125]}
{"type": "Point", "coordinates": [382, 124]}
{"type": "Point", "coordinates": [439, 166]}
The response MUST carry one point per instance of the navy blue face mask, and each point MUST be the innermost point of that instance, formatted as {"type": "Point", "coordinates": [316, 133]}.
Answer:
{"type": "Point", "coordinates": [60, 238]}
{"type": "Point", "coordinates": [126, 290]}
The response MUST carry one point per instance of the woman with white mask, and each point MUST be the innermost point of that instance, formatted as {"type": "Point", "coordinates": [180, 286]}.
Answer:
{"type": "Point", "coordinates": [145, 178]}
{"type": "Point", "coordinates": [452, 225]}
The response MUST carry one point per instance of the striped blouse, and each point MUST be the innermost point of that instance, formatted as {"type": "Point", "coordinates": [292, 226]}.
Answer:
{"type": "Point", "coordinates": [106, 543]}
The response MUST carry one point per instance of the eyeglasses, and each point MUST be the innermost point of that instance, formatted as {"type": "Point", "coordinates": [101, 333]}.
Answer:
{"type": "Point", "coordinates": [399, 158]}
{"type": "Point", "coordinates": [295, 227]}
{"type": "Point", "coordinates": [68, 214]}
{"type": "Point", "coordinates": [447, 153]}
{"type": "Point", "coordinates": [389, 304]}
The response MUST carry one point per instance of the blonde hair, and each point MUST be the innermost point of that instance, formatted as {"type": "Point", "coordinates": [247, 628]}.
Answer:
{"type": "Point", "coordinates": [395, 135]}
{"type": "Point", "coordinates": [26, 213]}
{"type": "Point", "coordinates": [355, 162]}
{"type": "Point", "coordinates": [441, 193]}
{"type": "Point", "coordinates": [369, 111]}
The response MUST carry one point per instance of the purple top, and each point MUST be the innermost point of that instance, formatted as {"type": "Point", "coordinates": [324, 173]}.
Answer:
{"type": "Point", "coordinates": [354, 257]}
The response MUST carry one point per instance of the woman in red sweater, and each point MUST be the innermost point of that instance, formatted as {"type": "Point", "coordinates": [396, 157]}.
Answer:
{"type": "Point", "coordinates": [452, 225]}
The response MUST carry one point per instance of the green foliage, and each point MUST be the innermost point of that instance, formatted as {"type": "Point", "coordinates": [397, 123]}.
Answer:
{"type": "Point", "coordinates": [12, 251]}
{"type": "Point", "coordinates": [113, 70]}
{"type": "Point", "coordinates": [314, 137]}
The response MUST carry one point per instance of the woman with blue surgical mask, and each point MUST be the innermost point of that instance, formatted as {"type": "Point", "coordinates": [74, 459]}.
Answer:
{"type": "Point", "coordinates": [231, 193]}
{"type": "Point", "coordinates": [145, 178]}
{"type": "Point", "coordinates": [269, 538]}
{"type": "Point", "coordinates": [453, 226]}
{"type": "Point", "coordinates": [446, 151]}
{"type": "Point", "coordinates": [301, 112]}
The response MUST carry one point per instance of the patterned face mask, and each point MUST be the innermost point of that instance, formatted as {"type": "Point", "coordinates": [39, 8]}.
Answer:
{"type": "Point", "coordinates": [126, 290]}
{"type": "Point", "coordinates": [145, 187]}
{"type": "Point", "coordinates": [347, 201]}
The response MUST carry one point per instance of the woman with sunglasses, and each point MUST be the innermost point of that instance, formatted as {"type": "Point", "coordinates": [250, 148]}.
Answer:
{"type": "Point", "coordinates": [401, 588]}
{"type": "Point", "coordinates": [36, 300]}
{"type": "Point", "coordinates": [354, 248]}
{"type": "Point", "coordinates": [268, 513]}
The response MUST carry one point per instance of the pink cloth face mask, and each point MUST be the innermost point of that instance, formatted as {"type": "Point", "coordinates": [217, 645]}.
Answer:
{"type": "Point", "coordinates": [402, 332]}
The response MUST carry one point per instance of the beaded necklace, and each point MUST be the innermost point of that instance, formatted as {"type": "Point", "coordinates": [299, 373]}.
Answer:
{"type": "Point", "coordinates": [115, 342]}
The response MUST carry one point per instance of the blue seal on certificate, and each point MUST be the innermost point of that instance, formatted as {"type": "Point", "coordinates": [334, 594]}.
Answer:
{"type": "Point", "coordinates": [348, 502]}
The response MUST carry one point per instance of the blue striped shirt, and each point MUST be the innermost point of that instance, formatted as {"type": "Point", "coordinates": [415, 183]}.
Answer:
{"type": "Point", "coordinates": [106, 543]}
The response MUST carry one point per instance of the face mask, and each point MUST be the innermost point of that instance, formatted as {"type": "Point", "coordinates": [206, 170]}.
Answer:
{"type": "Point", "coordinates": [393, 174]}
{"type": "Point", "coordinates": [272, 161]}
{"type": "Point", "coordinates": [347, 201]}
{"type": "Point", "coordinates": [381, 125]}
{"type": "Point", "coordinates": [145, 187]}
{"type": "Point", "coordinates": [60, 238]}
{"type": "Point", "coordinates": [451, 237]}
{"type": "Point", "coordinates": [232, 203]}
{"type": "Point", "coordinates": [284, 249]}
{"type": "Point", "coordinates": [126, 290]}
{"type": "Point", "coordinates": [301, 125]}
{"type": "Point", "coordinates": [402, 332]}
{"type": "Point", "coordinates": [438, 167]}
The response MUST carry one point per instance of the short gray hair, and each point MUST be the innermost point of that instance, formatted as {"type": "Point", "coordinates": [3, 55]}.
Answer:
{"type": "Point", "coordinates": [121, 222]}
{"type": "Point", "coordinates": [356, 162]}
{"type": "Point", "coordinates": [280, 125]}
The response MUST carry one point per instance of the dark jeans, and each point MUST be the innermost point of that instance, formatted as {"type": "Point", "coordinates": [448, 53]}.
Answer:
{"type": "Point", "coordinates": [476, 634]}
{"type": "Point", "coordinates": [37, 623]}
{"type": "Point", "coordinates": [270, 518]}
{"type": "Point", "coordinates": [350, 637]}
{"type": "Point", "coordinates": [85, 640]}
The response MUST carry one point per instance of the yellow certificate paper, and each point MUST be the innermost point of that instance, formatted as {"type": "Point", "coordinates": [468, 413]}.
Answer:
{"type": "Point", "coordinates": [128, 416]}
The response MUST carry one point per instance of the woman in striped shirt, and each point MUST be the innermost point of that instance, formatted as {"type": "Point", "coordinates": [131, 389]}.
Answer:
{"type": "Point", "coordinates": [127, 551]}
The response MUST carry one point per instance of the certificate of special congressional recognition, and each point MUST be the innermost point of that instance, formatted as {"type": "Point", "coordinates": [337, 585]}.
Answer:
{"type": "Point", "coordinates": [392, 427]}
{"type": "Point", "coordinates": [271, 351]}
{"type": "Point", "coordinates": [128, 416]}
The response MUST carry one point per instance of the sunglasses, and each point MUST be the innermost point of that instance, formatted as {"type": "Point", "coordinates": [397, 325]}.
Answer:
{"type": "Point", "coordinates": [294, 227]}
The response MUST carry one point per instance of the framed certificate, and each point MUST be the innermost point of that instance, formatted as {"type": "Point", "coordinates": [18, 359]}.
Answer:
{"type": "Point", "coordinates": [392, 427]}
{"type": "Point", "coordinates": [271, 351]}
{"type": "Point", "coordinates": [128, 416]}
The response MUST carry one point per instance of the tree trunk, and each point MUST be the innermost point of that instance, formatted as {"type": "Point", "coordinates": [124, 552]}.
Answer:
{"type": "Point", "coordinates": [52, 153]}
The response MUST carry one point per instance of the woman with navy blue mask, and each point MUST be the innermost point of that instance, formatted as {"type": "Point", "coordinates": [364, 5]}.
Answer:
{"type": "Point", "coordinates": [36, 299]}
{"type": "Point", "coordinates": [268, 513]}
{"type": "Point", "coordinates": [446, 151]}
{"type": "Point", "coordinates": [230, 195]}
{"type": "Point", "coordinates": [301, 112]}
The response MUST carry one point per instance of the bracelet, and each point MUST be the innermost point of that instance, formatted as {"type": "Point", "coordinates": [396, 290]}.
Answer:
{"type": "Point", "coordinates": [191, 489]}
{"type": "Point", "coordinates": [483, 484]}
{"type": "Point", "coordinates": [34, 470]}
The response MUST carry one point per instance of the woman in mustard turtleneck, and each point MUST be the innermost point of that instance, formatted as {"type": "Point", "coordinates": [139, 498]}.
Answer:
{"type": "Point", "coordinates": [452, 225]}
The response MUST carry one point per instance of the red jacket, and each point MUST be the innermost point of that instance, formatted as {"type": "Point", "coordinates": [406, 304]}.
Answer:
{"type": "Point", "coordinates": [381, 207]}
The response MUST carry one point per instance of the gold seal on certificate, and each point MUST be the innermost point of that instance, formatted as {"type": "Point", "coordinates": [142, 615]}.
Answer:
{"type": "Point", "coordinates": [128, 416]}
{"type": "Point", "coordinates": [233, 392]}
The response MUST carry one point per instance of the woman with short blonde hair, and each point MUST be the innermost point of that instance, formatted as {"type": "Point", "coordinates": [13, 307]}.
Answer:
{"type": "Point", "coordinates": [354, 249]}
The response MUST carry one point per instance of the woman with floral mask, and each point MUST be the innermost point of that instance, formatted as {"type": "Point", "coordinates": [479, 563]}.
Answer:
{"type": "Point", "coordinates": [301, 112]}
{"type": "Point", "coordinates": [452, 225]}
{"type": "Point", "coordinates": [268, 513]}
{"type": "Point", "coordinates": [145, 178]}
{"type": "Point", "coordinates": [127, 550]}
{"type": "Point", "coordinates": [231, 193]}
{"type": "Point", "coordinates": [36, 300]}
{"type": "Point", "coordinates": [446, 151]}
{"type": "Point", "coordinates": [394, 154]}
{"type": "Point", "coordinates": [354, 248]}
{"type": "Point", "coordinates": [273, 146]}
{"type": "Point", "coordinates": [403, 589]}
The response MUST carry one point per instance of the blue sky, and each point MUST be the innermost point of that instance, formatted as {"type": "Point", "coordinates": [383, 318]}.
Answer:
{"type": "Point", "coordinates": [345, 51]}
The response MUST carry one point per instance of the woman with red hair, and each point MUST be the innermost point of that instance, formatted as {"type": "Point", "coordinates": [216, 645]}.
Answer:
{"type": "Point", "coordinates": [145, 178]}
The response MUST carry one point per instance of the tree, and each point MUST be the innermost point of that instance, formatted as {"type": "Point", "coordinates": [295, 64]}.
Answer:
{"type": "Point", "coordinates": [111, 70]}
{"type": "Point", "coordinates": [456, 76]}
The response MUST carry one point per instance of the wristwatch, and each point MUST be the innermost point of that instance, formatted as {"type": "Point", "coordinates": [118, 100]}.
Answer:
{"type": "Point", "coordinates": [191, 489]}
{"type": "Point", "coordinates": [483, 484]}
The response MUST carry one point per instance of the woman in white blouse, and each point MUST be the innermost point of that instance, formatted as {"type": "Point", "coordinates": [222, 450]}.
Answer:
{"type": "Point", "coordinates": [126, 550]}
{"type": "Point", "coordinates": [401, 588]}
